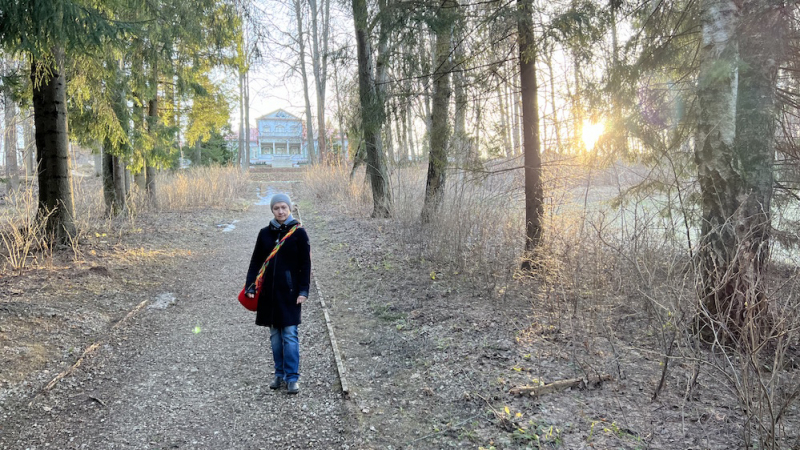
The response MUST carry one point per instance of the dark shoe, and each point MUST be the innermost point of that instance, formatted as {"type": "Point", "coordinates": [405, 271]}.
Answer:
{"type": "Point", "coordinates": [276, 383]}
{"type": "Point", "coordinates": [293, 387]}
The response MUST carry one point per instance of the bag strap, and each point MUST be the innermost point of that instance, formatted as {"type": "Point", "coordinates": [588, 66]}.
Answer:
{"type": "Point", "coordinates": [260, 277]}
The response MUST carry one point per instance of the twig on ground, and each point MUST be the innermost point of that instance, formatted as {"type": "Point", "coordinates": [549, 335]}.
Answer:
{"type": "Point", "coordinates": [536, 391]}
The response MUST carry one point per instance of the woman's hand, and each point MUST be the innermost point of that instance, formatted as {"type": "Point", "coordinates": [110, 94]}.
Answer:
{"type": "Point", "coordinates": [249, 295]}
{"type": "Point", "coordinates": [301, 299]}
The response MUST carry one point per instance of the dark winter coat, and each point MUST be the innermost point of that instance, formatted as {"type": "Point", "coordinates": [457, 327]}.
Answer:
{"type": "Point", "coordinates": [287, 276]}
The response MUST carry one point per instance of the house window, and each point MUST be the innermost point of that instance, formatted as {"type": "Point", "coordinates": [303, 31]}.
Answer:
{"type": "Point", "coordinates": [266, 148]}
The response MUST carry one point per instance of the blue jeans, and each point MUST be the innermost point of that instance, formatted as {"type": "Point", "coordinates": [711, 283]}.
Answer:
{"type": "Point", "coordinates": [286, 352]}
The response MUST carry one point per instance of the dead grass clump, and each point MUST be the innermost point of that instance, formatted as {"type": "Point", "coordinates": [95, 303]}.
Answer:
{"type": "Point", "coordinates": [479, 228]}
{"type": "Point", "coordinates": [333, 185]}
{"type": "Point", "coordinates": [201, 187]}
{"type": "Point", "coordinates": [22, 235]}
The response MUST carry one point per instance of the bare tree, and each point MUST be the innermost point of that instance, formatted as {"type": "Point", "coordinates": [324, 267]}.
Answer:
{"type": "Point", "coordinates": [320, 32]}
{"type": "Point", "coordinates": [10, 122]}
{"type": "Point", "coordinates": [440, 128]}
{"type": "Point", "coordinates": [534, 207]}
{"type": "Point", "coordinates": [372, 115]}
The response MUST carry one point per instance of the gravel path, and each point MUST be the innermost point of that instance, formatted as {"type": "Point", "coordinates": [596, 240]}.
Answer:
{"type": "Point", "coordinates": [194, 373]}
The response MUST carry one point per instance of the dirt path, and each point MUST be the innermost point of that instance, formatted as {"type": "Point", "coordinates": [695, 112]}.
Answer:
{"type": "Point", "coordinates": [193, 373]}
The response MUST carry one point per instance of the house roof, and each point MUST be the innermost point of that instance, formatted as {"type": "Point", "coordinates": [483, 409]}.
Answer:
{"type": "Point", "coordinates": [279, 114]}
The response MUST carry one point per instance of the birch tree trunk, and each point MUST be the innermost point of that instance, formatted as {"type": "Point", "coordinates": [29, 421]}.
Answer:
{"type": "Point", "coordinates": [737, 178]}
{"type": "Point", "coordinates": [56, 205]}
{"type": "Point", "coordinates": [440, 128]}
{"type": "Point", "coordinates": [534, 208]}
{"type": "Point", "coordinates": [372, 115]}
{"type": "Point", "coordinates": [715, 137]}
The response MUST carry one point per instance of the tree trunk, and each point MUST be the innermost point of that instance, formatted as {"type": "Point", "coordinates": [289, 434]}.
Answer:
{"type": "Point", "coordinates": [320, 66]}
{"type": "Point", "coordinates": [30, 147]}
{"type": "Point", "coordinates": [309, 121]}
{"type": "Point", "coordinates": [10, 145]}
{"type": "Point", "coordinates": [736, 178]}
{"type": "Point", "coordinates": [56, 205]}
{"type": "Point", "coordinates": [107, 170]}
{"type": "Point", "coordinates": [515, 114]}
{"type": "Point", "coordinates": [343, 153]}
{"type": "Point", "coordinates": [246, 162]}
{"type": "Point", "coordinates": [534, 208]}
{"type": "Point", "coordinates": [503, 117]}
{"type": "Point", "coordinates": [118, 152]}
{"type": "Point", "coordinates": [150, 187]}
{"type": "Point", "coordinates": [197, 152]}
{"type": "Point", "coordinates": [242, 138]}
{"type": "Point", "coordinates": [460, 139]}
{"type": "Point", "coordinates": [716, 132]}
{"type": "Point", "coordinates": [556, 124]}
{"type": "Point", "coordinates": [140, 178]}
{"type": "Point", "coordinates": [150, 182]}
{"type": "Point", "coordinates": [127, 181]}
{"type": "Point", "coordinates": [440, 128]}
{"type": "Point", "coordinates": [372, 115]}
{"type": "Point", "coordinates": [120, 187]}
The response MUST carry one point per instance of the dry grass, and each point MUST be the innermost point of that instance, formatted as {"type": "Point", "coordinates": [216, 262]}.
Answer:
{"type": "Point", "coordinates": [24, 244]}
{"type": "Point", "coordinates": [617, 249]}
{"type": "Point", "coordinates": [202, 187]}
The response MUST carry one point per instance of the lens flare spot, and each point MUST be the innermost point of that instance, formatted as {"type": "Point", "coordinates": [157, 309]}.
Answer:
{"type": "Point", "coordinates": [196, 330]}
{"type": "Point", "coordinates": [591, 132]}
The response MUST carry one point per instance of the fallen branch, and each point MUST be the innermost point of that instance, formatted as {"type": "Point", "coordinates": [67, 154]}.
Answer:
{"type": "Point", "coordinates": [90, 349]}
{"type": "Point", "coordinates": [536, 391]}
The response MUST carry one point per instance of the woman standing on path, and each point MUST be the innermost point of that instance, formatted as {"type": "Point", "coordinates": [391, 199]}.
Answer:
{"type": "Point", "coordinates": [282, 288]}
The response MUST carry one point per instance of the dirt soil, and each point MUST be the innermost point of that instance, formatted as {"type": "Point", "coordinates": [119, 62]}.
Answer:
{"type": "Point", "coordinates": [430, 354]}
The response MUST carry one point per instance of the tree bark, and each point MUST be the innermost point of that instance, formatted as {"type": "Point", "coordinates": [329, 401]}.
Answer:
{"type": "Point", "coordinates": [10, 145]}
{"type": "Point", "coordinates": [503, 116]}
{"type": "Point", "coordinates": [197, 152]}
{"type": "Point", "coordinates": [107, 171]}
{"type": "Point", "coordinates": [372, 115]}
{"type": "Point", "coordinates": [534, 208]}
{"type": "Point", "coordinates": [515, 114]}
{"type": "Point", "coordinates": [460, 139]}
{"type": "Point", "coordinates": [320, 66]}
{"type": "Point", "coordinates": [302, 44]}
{"type": "Point", "coordinates": [242, 138]}
{"type": "Point", "coordinates": [440, 128]}
{"type": "Point", "coordinates": [736, 178]}
{"type": "Point", "coordinates": [30, 147]}
{"type": "Point", "coordinates": [246, 163]}
{"type": "Point", "coordinates": [118, 152]}
{"type": "Point", "coordinates": [56, 205]}
{"type": "Point", "coordinates": [150, 182]}
{"type": "Point", "coordinates": [716, 132]}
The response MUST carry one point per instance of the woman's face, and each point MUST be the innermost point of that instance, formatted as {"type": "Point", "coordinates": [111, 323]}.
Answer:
{"type": "Point", "coordinates": [281, 211]}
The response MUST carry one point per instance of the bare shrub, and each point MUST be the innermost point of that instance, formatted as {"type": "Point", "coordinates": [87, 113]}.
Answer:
{"type": "Point", "coordinates": [332, 185]}
{"type": "Point", "coordinates": [22, 234]}
{"type": "Point", "coordinates": [201, 187]}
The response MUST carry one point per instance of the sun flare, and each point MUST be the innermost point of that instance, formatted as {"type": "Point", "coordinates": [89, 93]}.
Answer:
{"type": "Point", "coordinates": [591, 132]}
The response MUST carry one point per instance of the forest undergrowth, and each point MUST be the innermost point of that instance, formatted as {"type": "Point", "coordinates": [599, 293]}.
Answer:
{"type": "Point", "coordinates": [613, 293]}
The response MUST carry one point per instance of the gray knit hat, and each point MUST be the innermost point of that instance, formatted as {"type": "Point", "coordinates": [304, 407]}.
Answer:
{"type": "Point", "coordinates": [280, 198]}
